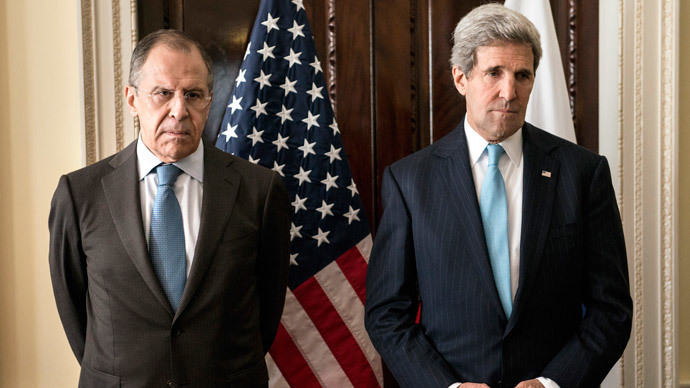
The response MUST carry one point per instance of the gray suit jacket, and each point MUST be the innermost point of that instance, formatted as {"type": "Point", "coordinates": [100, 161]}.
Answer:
{"type": "Point", "coordinates": [117, 319]}
{"type": "Point", "coordinates": [430, 245]}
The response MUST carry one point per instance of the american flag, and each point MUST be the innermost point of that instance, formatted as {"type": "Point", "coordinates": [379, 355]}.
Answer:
{"type": "Point", "coordinates": [280, 117]}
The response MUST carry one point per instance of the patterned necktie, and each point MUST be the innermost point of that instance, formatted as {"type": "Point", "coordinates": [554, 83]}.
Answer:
{"type": "Point", "coordinates": [166, 240]}
{"type": "Point", "coordinates": [494, 208]}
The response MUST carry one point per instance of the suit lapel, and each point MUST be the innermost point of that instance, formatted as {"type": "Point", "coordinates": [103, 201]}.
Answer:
{"type": "Point", "coordinates": [540, 178]}
{"type": "Point", "coordinates": [221, 185]}
{"type": "Point", "coordinates": [456, 174]}
{"type": "Point", "coordinates": [122, 194]}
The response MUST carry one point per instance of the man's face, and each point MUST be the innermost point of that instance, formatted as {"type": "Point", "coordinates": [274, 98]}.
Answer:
{"type": "Point", "coordinates": [497, 89]}
{"type": "Point", "coordinates": [172, 130]}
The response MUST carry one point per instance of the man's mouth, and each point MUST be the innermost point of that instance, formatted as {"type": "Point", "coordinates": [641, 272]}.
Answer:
{"type": "Point", "coordinates": [176, 133]}
{"type": "Point", "coordinates": [505, 110]}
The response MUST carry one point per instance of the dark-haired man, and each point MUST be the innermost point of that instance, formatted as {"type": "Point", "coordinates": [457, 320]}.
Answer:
{"type": "Point", "coordinates": [169, 259]}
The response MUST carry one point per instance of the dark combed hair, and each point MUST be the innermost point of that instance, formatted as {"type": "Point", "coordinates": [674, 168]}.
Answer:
{"type": "Point", "coordinates": [174, 40]}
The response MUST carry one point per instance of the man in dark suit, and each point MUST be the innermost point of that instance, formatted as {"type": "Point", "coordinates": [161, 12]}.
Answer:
{"type": "Point", "coordinates": [508, 236]}
{"type": "Point", "coordinates": [183, 289]}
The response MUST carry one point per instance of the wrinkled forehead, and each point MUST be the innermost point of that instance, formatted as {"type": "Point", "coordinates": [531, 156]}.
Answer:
{"type": "Point", "coordinates": [516, 56]}
{"type": "Point", "coordinates": [170, 67]}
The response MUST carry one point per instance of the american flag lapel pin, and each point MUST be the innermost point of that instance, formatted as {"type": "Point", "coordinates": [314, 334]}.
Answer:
{"type": "Point", "coordinates": [546, 173]}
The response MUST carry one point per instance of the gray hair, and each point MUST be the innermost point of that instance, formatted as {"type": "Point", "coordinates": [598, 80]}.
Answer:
{"type": "Point", "coordinates": [172, 39]}
{"type": "Point", "coordinates": [490, 25]}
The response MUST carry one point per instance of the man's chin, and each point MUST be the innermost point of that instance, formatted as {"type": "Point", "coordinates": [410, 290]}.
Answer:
{"type": "Point", "coordinates": [504, 131]}
{"type": "Point", "coordinates": [175, 151]}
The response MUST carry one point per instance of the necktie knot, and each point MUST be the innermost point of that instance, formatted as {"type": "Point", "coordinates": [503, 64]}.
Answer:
{"type": "Point", "coordinates": [167, 174]}
{"type": "Point", "coordinates": [495, 151]}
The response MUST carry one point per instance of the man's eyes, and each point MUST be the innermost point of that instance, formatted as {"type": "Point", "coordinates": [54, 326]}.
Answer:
{"type": "Point", "coordinates": [518, 76]}
{"type": "Point", "coordinates": [163, 93]}
{"type": "Point", "coordinates": [167, 94]}
{"type": "Point", "coordinates": [193, 96]}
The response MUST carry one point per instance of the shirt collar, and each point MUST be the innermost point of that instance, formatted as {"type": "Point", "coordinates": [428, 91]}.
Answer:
{"type": "Point", "coordinates": [476, 145]}
{"type": "Point", "coordinates": [192, 165]}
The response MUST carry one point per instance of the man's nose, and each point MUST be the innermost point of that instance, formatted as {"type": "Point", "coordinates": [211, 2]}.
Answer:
{"type": "Point", "coordinates": [178, 107]}
{"type": "Point", "coordinates": [507, 91]}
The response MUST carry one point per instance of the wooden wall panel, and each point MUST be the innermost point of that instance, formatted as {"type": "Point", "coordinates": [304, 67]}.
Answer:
{"type": "Point", "coordinates": [585, 54]}
{"type": "Point", "coordinates": [223, 27]}
{"type": "Point", "coordinates": [393, 77]}
{"type": "Point", "coordinates": [577, 29]}
{"type": "Point", "coordinates": [353, 94]}
{"type": "Point", "coordinates": [447, 105]}
{"type": "Point", "coordinates": [342, 35]}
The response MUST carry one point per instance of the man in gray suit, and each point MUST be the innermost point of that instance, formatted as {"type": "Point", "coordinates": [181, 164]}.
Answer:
{"type": "Point", "coordinates": [509, 236]}
{"type": "Point", "coordinates": [179, 283]}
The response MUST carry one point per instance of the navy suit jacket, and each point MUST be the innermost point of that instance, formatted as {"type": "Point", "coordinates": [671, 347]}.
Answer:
{"type": "Point", "coordinates": [572, 312]}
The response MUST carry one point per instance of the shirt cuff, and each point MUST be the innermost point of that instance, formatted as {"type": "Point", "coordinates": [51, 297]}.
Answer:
{"type": "Point", "coordinates": [547, 382]}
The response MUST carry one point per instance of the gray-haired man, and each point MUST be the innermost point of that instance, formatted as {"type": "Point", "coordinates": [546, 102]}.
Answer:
{"type": "Point", "coordinates": [509, 236]}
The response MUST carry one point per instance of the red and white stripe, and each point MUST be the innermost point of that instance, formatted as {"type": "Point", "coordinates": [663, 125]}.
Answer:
{"type": "Point", "coordinates": [321, 341]}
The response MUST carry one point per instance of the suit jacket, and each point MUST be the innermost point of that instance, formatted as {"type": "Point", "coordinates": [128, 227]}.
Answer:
{"type": "Point", "coordinates": [572, 312]}
{"type": "Point", "coordinates": [117, 318]}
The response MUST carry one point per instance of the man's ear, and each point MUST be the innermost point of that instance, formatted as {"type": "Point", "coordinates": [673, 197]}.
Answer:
{"type": "Point", "coordinates": [130, 97]}
{"type": "Point", "coordinates": [460, 80]}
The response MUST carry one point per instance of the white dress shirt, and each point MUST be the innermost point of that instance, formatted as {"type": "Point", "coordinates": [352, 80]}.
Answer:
{"type": "Point", "coordinates": [189, 190]}
{"type": "Point", "coordinates": [511, 165]}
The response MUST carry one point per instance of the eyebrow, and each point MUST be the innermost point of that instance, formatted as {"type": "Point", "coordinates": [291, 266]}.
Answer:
{"type": "Point", "coordinates": [493, 68]}
{"type": "Point", "coordinates": [499, 67]}
{"type": "Point", "coordinates": [193, 89]}
{"type": "Point", "coordinates": [525, 71]}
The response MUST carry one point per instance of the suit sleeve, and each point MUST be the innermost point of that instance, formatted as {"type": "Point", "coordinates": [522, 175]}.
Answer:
{"type": "Point", "coordinates": [68, 266]}
{"type": "Point", "coordinates": [392, 298]}
{"type": "Point", "coordinates": [605, 329]}
{"type": "Point", "coordinates": [273, 260]}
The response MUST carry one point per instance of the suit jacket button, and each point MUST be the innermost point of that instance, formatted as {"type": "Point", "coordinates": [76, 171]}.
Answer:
{"type": "Point", "coordinates": [171, 383]}
{"type": "Point", "coordinates": [177, 333]}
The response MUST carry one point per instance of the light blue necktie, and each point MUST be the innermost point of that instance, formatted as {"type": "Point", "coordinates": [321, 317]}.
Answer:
{"type": "Point", "coordinates": [166, 240]}
{"type": "Point", "coordinates": [494, 208]}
